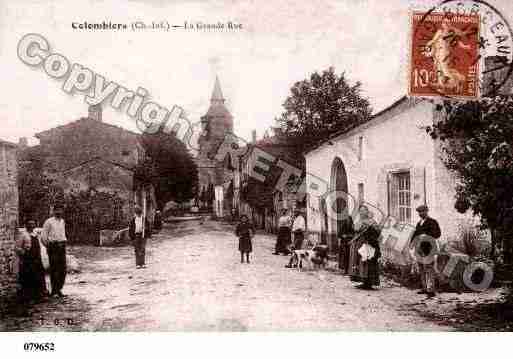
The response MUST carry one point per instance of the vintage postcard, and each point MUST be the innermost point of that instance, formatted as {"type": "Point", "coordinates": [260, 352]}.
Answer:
{"type": "Point", "coordinates": [237, 166]}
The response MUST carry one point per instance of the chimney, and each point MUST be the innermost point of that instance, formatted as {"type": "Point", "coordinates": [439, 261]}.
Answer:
{"type": "Point", "coordinates": [95, 112]}
{"type": "Point", "coordinates": [253, 136]}
{"type": "Point", "coordinates": [23, 142]}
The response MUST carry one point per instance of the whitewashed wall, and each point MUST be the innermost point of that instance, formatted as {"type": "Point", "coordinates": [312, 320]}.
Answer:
{"type": "Point", "coordinates": [394, 140]}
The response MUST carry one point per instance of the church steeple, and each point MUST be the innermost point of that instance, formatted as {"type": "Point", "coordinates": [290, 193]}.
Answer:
{"type": "Point", "coordinates": [218, 121]}
{"type": "Point", "coordinates": [217, 94]}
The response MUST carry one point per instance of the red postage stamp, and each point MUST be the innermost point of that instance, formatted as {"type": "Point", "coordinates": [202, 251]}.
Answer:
{"type": "Point", "coordinates": [444, 58]}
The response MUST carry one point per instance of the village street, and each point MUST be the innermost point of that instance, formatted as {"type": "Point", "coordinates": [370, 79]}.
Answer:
{"type": "Point", "coordinates": [195, 282]}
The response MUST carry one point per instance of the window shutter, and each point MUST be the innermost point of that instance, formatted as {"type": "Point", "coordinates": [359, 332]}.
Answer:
{"type": "Point", "coordinates": [418, 187]}
{"type": "Point", "coordinates": [394, 198]}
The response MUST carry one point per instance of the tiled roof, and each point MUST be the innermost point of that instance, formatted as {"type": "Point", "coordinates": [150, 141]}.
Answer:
{"type": "Point", "coordinates": [7, 143]}
{"type": "Point", "coordinates": [82, 119]}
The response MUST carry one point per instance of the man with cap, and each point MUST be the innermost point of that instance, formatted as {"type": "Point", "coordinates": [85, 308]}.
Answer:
{"type": "Point", "coordinates": [139, 231]}
{"type": "Point", "coordinates": [427, 226]}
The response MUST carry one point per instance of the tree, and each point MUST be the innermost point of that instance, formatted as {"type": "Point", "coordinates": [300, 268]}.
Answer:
{"type": "Point", "coordinates": [170, 167]}
{"type": "Point", "coordinates": [477, 145]}
{"type": "Point", "coordinates": [320, 106]}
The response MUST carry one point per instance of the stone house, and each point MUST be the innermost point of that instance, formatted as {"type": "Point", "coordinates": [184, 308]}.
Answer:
{"type": "Point", "coordinates": [91, 156]}
{"type": "Point", "coordinates": [391, 164]}
{"type": "Point", "coordinates": [8, 220]}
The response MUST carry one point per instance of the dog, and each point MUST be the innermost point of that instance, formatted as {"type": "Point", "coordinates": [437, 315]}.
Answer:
{"type": "Point", "coordinates": [321, 255]}
{"type": "Point", "coordinates": [302, 255]}
{"type": "Point", "coordinates": [316, 257]}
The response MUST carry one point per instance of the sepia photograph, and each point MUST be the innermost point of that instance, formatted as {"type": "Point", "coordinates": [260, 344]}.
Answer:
{"type": "Point", "coordinates": [186, 167]}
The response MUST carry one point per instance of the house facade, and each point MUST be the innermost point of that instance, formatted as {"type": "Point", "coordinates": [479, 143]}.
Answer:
{"type": "Point", "coordinates": [8, 220]}
{"type": "Point", "coordinates": [94, 164]}
{"type": "Point", "coordinates": [389, 163]}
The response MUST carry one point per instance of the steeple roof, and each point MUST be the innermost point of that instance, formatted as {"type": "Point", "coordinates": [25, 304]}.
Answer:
{"type": "Point", "coordinates": [217, 94]}
{"type": "Point", "coordinates": [217, 107]}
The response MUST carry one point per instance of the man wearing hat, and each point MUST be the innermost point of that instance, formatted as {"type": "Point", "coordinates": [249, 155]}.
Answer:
{"type": "Point", "coordinates": [139, 231]}
{"type": "Point", "coordinates": [426, 226]}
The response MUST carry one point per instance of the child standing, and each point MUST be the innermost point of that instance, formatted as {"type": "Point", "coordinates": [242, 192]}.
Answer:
{"type": "Point", "coordinates": [245, 232]}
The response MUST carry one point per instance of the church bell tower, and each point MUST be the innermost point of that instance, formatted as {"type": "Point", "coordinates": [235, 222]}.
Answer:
{"type": "Point", "coordinates": [216, 124]}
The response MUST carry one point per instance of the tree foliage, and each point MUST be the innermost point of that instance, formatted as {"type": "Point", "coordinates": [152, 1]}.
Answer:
{"type": "Point", "coordinates": [170, 167]}
{"type": "Point", "coordinates": [477, 140]}
{"type": "Point", "coordinates": [320, 106]}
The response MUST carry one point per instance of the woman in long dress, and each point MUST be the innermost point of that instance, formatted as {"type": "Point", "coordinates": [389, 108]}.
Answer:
{"type": "Point", "coordinates": [365, 271]}
{"type": "Point", "coordinates": [283, 240]}
{"type": "Point", "coordinates": [31, 273]}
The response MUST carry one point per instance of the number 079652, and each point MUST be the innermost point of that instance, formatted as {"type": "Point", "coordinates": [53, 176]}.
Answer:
{"type": "Point", "coordinates": [39, 347]}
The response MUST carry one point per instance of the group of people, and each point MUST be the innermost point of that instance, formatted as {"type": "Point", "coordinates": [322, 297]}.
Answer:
{"type": "Point", "coordinates": [360, 249]}
{"type": "Point", "coordinates": [31, 269]}
{"type": "Point", "coordinates": [359, 244]}
{"type": "Point", "coordinates": [31, 275]}
{"type": "Point", "coordinates": [245, 231]}
{"type": "Point", "coordinates": [291, 233]}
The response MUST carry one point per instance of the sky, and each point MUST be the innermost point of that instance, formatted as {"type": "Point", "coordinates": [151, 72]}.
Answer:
{"type": "Point", "coordinates": [281, 42]}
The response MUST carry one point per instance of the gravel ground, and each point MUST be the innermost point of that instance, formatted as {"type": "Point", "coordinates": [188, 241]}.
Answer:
{"type": "Point", "coordinates": [195, 282]}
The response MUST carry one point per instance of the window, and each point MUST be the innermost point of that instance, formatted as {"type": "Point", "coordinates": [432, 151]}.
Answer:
{"type": "Point", "coordinates": [400, 196]}
{"type": "Point", "coordinates": [360, 148]}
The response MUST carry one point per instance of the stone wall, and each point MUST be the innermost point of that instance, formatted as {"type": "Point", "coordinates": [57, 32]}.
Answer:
{"type": "Point", "coordinates": [8, 220]}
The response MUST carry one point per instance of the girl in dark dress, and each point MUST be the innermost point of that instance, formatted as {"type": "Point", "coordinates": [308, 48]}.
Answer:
{"type": "Point", "coordinates": [245, 232]}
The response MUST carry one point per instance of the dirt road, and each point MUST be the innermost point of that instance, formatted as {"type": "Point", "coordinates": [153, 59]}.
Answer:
{"type": "Point", "coordinates": [195, 282]}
